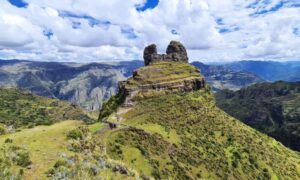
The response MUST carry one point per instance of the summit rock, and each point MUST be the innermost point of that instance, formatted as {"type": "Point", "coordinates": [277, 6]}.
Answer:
{"type": "Point", "coordinates": [162, 73]}
{"type": "Point", "coordinates": [175, 52]}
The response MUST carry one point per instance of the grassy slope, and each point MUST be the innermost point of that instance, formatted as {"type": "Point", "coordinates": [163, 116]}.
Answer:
{"type": "Point", "coordinates": [45, 144]}
{"type": "Point", "coordinates": [163, 72]}
{"type": "Point", "coordinates": [21, 109]}
{"type": "Point", "coordinates": [186, 136]}
{"type": "Point", "coordinates": [272, 108]}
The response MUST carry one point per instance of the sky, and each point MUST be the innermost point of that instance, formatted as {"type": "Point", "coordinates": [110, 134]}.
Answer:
{"type": "Point", "coordinates": [116, 30]}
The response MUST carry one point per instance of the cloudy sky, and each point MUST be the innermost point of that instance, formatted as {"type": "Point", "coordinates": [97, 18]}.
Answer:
{"type": "Point", "coordinates": [102, 30]}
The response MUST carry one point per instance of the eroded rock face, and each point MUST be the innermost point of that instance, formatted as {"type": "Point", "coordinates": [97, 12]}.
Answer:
{"type": "Point", "coordinates": [175, 52]}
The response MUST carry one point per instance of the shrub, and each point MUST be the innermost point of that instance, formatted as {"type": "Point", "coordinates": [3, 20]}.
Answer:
{"type": "Point", "coordinates": [111, 105]}
{"type": "Point", "coordinates": [3, 129]}
{"type": "Point", "coordinates": [78, 133]}
{"type": "Point", "coordinates": [22, 158]}
{"type": "Point", "coordinates": [8, 140]}
{"type": "Point", "coordinates": [60, 163]}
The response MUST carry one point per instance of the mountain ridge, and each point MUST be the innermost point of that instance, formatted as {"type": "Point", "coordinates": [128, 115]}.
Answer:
{"type": "Point", "coordinates": [272, 108]}
{"type": "Point", "coordinates": [184, 135]}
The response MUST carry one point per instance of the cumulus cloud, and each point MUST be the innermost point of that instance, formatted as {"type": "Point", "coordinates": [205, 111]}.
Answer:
{"type": "Point", "coordinates": [212, 30]}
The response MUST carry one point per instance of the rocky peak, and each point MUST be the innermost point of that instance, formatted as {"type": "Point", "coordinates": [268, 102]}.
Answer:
{"type": "Point", "coordinates": [162, 73]}
{"type": "Point", "coordinates": [175, 52]}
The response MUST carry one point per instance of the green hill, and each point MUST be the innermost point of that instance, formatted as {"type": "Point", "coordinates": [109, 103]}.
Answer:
{"type": "Point", "coordinates": [163, 124]}
{"type": "Point", "coordinates": [23, 109]}
{"type": "Point", "coordinates": [272, 108]}
{"type": "Point", "coordinates": [184, 135]}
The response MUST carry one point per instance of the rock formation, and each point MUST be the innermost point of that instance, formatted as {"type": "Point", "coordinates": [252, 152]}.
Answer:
{"type": "Point", "coordinates": [175, 52]}
{"type": "Point", "coordinates": [161, 73]}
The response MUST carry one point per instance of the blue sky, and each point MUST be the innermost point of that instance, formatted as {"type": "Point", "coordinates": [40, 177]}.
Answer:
{"type": "Point", "coordinates": [212, 30]}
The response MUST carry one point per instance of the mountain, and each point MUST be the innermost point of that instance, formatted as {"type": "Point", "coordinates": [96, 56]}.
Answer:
{"type": "Point", "coordinates": [20, 109]}
{"type": "Point", "coordinates": [89, 85]}
{"type": "Point", "coordinates": [222, 77]}
{"type": "Point", "coordinates": [166, 125]}
{"type": "Point", "coordinates": [162, 124]}
{"type": "Point", "coordinates": [86, 85]}
{"type": "Point", "coordinates": [269, 70]}
{"type": "Point", "coordinates": [272, 108]}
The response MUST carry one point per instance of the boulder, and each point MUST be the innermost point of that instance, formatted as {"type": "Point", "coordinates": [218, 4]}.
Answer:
{"type": "Point", "coordinates": [177, 52]}
{"type": "Point", "coordinates": [149, 52]}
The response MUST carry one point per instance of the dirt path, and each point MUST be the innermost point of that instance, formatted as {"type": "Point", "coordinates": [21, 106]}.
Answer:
{"type": "Point", "coordinates": [119, 114]}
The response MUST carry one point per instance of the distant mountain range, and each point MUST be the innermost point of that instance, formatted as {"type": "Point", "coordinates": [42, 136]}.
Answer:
{"type": "Point", "coordinates": [89, 85]}
{"type": "Point", "coordinates": [86, 85]}
{"type": "Point", "coordinates": [269, 70]}
{"type": "Point", "coordinates": [222, 77]}
{"type": "Point", "coordinates": [272, 108]}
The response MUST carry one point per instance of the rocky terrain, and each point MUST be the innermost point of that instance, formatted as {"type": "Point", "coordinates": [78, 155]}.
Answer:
{"type": "Point", "coordinates": [86, 85]}
{"type": "Point", "coordinates": [155, 78]}
{"type": "Point", "coordinates": [272, 108]}
{"type": "Point", "coordinates": [175, 52]}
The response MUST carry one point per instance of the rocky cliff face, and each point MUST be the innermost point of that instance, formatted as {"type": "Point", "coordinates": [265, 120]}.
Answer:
{"type": "Point", "coordinates": [166, 72]}
{"type": "Point", "coordinates": [175, 52]}
{"type": "Point", "coordinates": [86, 85]}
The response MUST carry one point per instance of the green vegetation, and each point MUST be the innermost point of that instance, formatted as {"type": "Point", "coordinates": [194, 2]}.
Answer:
{"type": "Point", "coordinates": [272, 108]}
{"type": "Point", "coordinates": [45, 144]}
{"type": "Point", "coordinates": [208, 143]}
{"type": "Point", "coordinates": [3, 129]}
{"type": "Point", "coordinates": [163, 135]}
{"type": "Point", "coordinates": [78, 133]}
{"type": "Point", "coordinates": [111, 105]}
{"type": "Point", "coordinates": [89, 161]}
{"type": "Point", "coordinates": [13, 160]}
{"type": "Point", "coordinates": [22, 109]}
{"type": "Point", "coordinates": [162, 72]}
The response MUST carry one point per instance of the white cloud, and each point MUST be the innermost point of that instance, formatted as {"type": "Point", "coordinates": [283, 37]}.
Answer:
{"type": "Point", "coordinates": [101, 30]}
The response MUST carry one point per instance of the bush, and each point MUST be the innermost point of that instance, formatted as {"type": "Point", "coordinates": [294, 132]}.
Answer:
{"type": "Point", "coordinates": [111, 105]}
{"type": "Point", "coordinates": [8, 140]}
{"type": "Point", "coordinates": [60, 163]}
{"type": "Point", "coordinates": [21, 157]}
{"type": "Point", "coordinates": [3, 129]}
{"type": "Point", "coordinates": [78, 133]}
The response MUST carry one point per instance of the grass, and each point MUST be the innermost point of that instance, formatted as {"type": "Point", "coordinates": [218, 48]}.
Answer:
{"type": "Point", "coordinates": [44, 143]}
{"type": "Point", "coordinates": [96, 127]}
{"type": "Point", "coordinates": [169, 135]}
{"type": "Point", "coordinates": [22, 109]}
{"type": "Point", "coordinates": [185, 135]}
{"type": "Point", "coordinates": [135, 160]}
{"type": "Point", "coordinates": [162, 72]}
{"type": "Point", "coordinates": [272, 108]}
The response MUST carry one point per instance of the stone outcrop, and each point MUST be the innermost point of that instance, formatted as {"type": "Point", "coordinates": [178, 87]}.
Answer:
{"type": "Point", "coordinates": [157, 78]}
{"type": "Point", "coordinates": [179, 86]}
{"type": "Point", "coordinates": [175, 52]}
